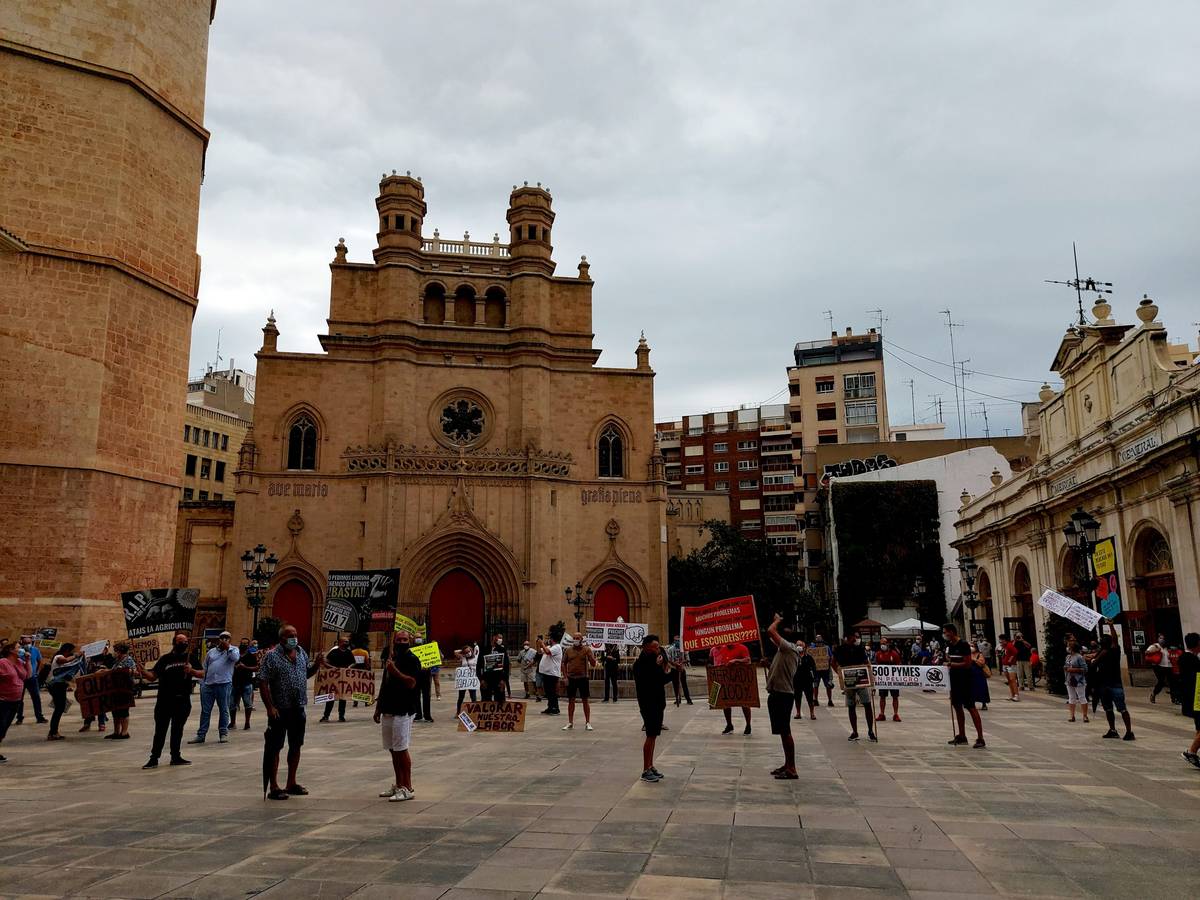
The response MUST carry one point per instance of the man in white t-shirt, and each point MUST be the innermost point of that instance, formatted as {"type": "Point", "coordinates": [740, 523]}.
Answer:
{"type": "Point", "coordinates": [550, 668]}
{"type": "Point", "coordinates": [1158, 655]}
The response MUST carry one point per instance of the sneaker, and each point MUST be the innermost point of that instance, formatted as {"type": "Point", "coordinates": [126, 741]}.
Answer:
{"type": "Point", "coordinates": [728, 730]}
{"type": "Point", "coordinates": [42, 721]}
{"type": "Point", "coordinates": [246, 727]}
{"type": "Point", "coordinates": [1191, 758]}
{"type": "Point", "coordinates": [400, 795]}
{"type": "Point", "coordinates": [1110, 734]}
{"type": "Point", "coordinates": [196, 740]}
{"type": "Point", "coordinates": [391, 790]}
{"type": "Point", "coordinates": [1128, 736]}
{"type": "Point", "coordinates": [223, 739]}
{"type": "Point", "coordinates": [747, 731]}
{"type": "Point", "coordinates": [650, 777]}
{"type": "Point", "coordinates": [87, 726]}
{"type": "Point", "coordinates": [656, 772]}
{"type": "Point", "coordinates": [323, 719]}
{"type": "Point", "coordinates": [180, 761]}
{"type": "Point", "coordinates": [152, 764]}
{"type": "Point", "coordinates": [871, 736]}
{"type": "Point", "coordinates": [830, 703]}
{"type": "Point", "coordinates": [587, 726]}
{"type": "Point", "coordinates": [853, 737]}
{"type": "Point", "coordinates": [567, 727]}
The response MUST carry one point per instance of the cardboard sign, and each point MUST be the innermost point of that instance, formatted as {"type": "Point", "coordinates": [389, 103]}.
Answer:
{"type": "Point", "coordinates": [820, 654]}
{"type": "Point", "coordinates": [724, 622]}
{"type": "Point", "coordinates": [49, 646]}
{"type": "Point", "coordinates": [93, 648]}
{"type": "Point", "coordinates": [404, 623]}
{"type": "Point", "coordinates": [490, 715]}
{"type": "Point", "coordinates": [345, 684]}
{"type": "Point", "coordinates": [145, 651]}
{"type": "Point", "coordinates": [923, 678]}
{"type": "Point", "coordinates": [732, 686]}
{"type": "Point", "coordinates": [428, 654]}
{"type": "Point", "coordinates": [157, 610]}
{"type": "Point", "coordinates": [623, 634]}
{"type": "Point", "coordinates": [1069, 609]}
{"type": "Point", "coordinates": [104, 691]}
{"type": "Point", "coordinates": [465, 679]}
{"type": "Point", "coordinates": [360, 600]}
{"type": "Point", "coordinates": [854, 677]}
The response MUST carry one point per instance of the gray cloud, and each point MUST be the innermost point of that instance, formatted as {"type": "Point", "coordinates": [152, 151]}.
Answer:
{"type": "Point", "coordinates": [730, 171]}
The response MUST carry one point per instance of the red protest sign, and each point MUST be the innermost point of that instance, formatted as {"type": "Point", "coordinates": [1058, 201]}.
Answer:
{"type": "Point", "coordinates": [723, 622]}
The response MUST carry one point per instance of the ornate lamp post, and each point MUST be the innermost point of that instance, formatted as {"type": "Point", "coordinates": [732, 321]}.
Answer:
{"type": "Point", "coordinates": [1082, 531]}
{"type": "Point", "coordinates": [579, 598]}
{"type": "Point", "coordinates": [258, 569]}
{"type": "Point", "coordinates": [969, 570]}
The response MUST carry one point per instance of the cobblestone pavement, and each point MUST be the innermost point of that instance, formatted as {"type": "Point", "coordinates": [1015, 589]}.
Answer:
{"type": "Point", "coordinates": [1049, 809]}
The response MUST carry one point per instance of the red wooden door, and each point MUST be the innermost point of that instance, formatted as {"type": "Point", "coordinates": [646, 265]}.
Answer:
{"type": "Point", "coordinates": [456, 611]}
{"type": "Point", "coordinates": [293, 605]}
{"type": "Point", "coordinates": [611, 601]}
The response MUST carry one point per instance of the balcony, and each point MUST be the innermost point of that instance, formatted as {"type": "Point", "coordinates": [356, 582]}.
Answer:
{"type": "Point", "coordinates": [465, 247]}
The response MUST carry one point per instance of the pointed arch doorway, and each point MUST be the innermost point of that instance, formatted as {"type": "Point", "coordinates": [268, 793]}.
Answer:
{"type": "Point", "coordinates": [293, 605]}
{"type": "Point", "coordinates": [611, 603]}
{"type": "Point", "coordinates": [456, 611]}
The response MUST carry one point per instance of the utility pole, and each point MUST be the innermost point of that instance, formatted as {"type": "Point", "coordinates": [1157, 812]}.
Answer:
{"type": "Point", "coordinates": [950, 326]}
{"type": "Point", "coordinates": [912, 391]}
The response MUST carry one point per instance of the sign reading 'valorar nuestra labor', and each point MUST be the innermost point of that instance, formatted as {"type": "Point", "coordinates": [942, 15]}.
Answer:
{"type": "Point", "coordinates": [724, 622]}
{"type": "Point", "coordinates": [490, 715]}
{"type": "Point", "coordinates": [361, 600]}
{"type": "Point", "coordinates": [156, 610]}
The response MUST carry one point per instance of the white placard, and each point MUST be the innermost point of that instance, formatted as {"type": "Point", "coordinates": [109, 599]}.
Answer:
{"type": "Point", "coordinates": [1064, 606]}
{"type": "Point", "coordinates": [620, 633]}
{"type": "Point", "coordinates": [465, 679]}
{"type": "Point", "coordinates": [95, 648]}
{"type": "Point", "coordinates": [923, 678]}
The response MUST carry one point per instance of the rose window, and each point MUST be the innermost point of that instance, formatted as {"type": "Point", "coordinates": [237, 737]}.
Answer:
{"type": "Point", "coordinates": [462, 421]}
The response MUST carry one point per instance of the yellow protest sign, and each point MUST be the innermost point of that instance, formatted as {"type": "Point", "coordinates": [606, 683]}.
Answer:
{"type": "Point", "coordinates": [428, 654]}
{"type": "Point", "coordinates": [404, 623]}
{"type": "Point", "coordinates": [1104, 557]}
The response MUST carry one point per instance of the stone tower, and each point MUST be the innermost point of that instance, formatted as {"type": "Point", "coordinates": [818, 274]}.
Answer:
{"type": "Point", "coordinates": [101, 159]}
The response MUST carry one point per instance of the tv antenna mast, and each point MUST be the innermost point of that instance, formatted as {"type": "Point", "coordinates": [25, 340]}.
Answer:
{"type": "Point", "coordinates": [1090, 285]}
{"type": "Point", "coordinates": [828, 314]}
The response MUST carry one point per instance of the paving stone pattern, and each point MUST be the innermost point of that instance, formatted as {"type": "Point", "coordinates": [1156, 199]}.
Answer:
{"type": "Point", "coordinates": [1048, 810]}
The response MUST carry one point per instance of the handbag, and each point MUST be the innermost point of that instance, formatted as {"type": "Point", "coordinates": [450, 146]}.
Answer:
{"type": "Point", "coordinates": [1154, 658]}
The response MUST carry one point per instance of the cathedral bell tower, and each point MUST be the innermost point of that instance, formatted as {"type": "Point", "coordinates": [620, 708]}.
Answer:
{"type": "Point", "coordinates": [530, 219]}
{"type": "Point", "coordinates": [401, 205]}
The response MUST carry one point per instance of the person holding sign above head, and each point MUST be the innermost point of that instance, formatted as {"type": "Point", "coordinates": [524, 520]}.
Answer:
{"type": "Point", "coordinates": [651, 674]}
{"type": "Point", "coordinates": [550, 668]}
{"type": "Point", "coordinates": [1108, 683]}
{"type": "Point", "coordinates": [732, 655]}
{"type": "Point", "coordinates": [822, 654]}
{"type": "Point", "coordinates": [467, 658]}
{"type": "Point", "coordinates": [340, 657]}
{"type": "Point", "coordinates": [395, 709]}
{"type": "Point", "coordinates": [283, 683]}
{"type": "Point", "coordinates": [780, 697]}
{"type": "Point", "coordinates": [962, 696]}
{"type": "Point", "coordinates": [174, 673]}
{"type": "Point", "coordinates": [493, 671]}
{"type": "Point", "coordinates": [850, 655]}
{"type": "Point", "coordinates": [577, 660]}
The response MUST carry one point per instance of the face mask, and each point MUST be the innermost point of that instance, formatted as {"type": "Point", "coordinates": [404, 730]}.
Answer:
{"type": "Point", "coordinates": [181, 648]}
{"type": "Point", "coordinates": [883, 646]}
{"type": "Point", "coordinates": [291, 643]}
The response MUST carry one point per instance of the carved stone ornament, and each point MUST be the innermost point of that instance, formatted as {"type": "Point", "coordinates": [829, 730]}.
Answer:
{"type": "Point", "coordinates": [612, 529]}
{"type": "Point", "coordinates": [413, 460]}
{"type": "Point", "coordinates": [295, 524]}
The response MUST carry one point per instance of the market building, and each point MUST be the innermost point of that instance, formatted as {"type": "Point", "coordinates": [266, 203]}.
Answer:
{"type": "Point", "coordinates": [1120, 446]}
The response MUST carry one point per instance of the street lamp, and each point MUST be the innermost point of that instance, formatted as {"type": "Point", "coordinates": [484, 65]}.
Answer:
{"type": "Point", "coordinates": [969, 569]}
{"type": "Point", "coordinates": [258, 568]}
{"type": "Point", "coordinates": [579, 598]}
{"type": "Point", "coordinates": [1082, 531]}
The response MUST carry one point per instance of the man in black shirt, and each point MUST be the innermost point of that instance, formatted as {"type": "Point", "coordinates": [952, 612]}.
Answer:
{"type": "Point", "coordinates": [651, 674]}
{"type": "Point", "coordinates": [850, 653]}
{"type": "Point", "coordinates": [492, 669]}
{"type": "Point", "coordinates": [1024, 661]}
{"type": "Point", "coordinates": [1189, 668]}
{"type": "Point", "coordinates": [340, 657]}
{"type": "Point", "coordinates": [174, 674]}
{"type": "Point", "coordinates": [243, 681]}
{"type": "Point", "coordinates": [958, 658]}
{"type": "Point", "coordinates": [394, 711]}
{"type": "Point", "coordinates": [1108, 680]}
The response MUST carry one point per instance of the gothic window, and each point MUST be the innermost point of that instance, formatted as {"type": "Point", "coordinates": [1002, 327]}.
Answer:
{"type": "Point", "coordinates": [611, 454]}
{"type": "Point", "coordinates": [302, 443]}
{"type": "Point", "coordinates": [435, 304]}
{"type": "Point", "coordinates": [462, 421]}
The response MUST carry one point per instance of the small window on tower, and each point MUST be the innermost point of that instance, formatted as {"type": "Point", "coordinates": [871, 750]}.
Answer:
{"type": "Point", "coordinates": [399, 223]}
{"type": "Point", "coordinates": [532, 232]}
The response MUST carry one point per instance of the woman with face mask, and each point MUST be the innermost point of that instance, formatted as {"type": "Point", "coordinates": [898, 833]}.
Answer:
{"type": "Point", "coordinates": [174, 673]}
{"type": "Point", "coordinates": [14, 671]}
{"type": "Point", "coordinates": [65, 666]}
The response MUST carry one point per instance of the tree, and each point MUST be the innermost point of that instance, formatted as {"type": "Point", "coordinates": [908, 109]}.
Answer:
{"type": "Point", "coordinates": [267, 633]}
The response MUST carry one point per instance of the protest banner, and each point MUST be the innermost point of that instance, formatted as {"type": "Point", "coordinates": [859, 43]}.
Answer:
{"type": "Point", "coordinates": [924, 678]}
{"type": "Point", "coordinates": [820, 655]}
{"type": "Point", "coordinates": [854, 677]}
{"type": "Point", "coordinates": [49, 646]}
{"type": "Point", "coordinates": [1069, 609]}
{"type": "Point", "coordinates": [724, 622]}
{"type": "Point", "coordinates": [404, 623]}
{"type": "Point", "coordinates": [428, 654]}
{"type": "Point", "coordinates": [489, 715]}
{"type": "Point", "coordinates": [732, 686]}
{"type": "Point", "coordinates": [144, 650]}
{"type": "Point", "coordinates": [103, 691]}
{"type": "Point", "coordinates": [465, 679]}
{"type": "Point", "coordinates": [358, 600]}
{"type": "Point", "coordinates": [1108, 587]}
{"type": "Point", "coordinates": [93, 648]}
{"type": "Point", "coordinates": [623, 634]}
{"type": "Point", "coordinates": [157, 610]}
{"type": "Point", "coordinates": [345, 684]}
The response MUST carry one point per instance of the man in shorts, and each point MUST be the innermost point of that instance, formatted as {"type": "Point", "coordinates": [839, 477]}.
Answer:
{"type": "Point", "coordinates": [577, 660]}
{"type": "Point", "coordinates": [888, 655]}
{"type": "Point", "coordinates": [243, 682]}
{"type": "Point", "coordinates": [781, 695]}
{"type": "Point", "coordinates": [395, 709]}
{"type": "Point", "coordinates": [1189, 666]}
{"type": "Point", "coordinates": [283, 685]}
{"type": "Point", "coordinates": [651, 675]}
{"type": "Point", "coordinates": [1108, 683]}
{"type": "Point", "coordinates": [850, 653]}
{"type": "Point", "coordinates": [962, 698]}
{"type": "Point", "coordinates": [820, 652]}
{"type": "Point", "coordinates": [1008, 667]}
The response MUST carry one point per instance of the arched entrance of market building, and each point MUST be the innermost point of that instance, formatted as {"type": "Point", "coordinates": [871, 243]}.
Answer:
{"type": "Point", "coordinates": [611, 602]}
{"type": "Point", "coordinates": [1157, 603]}
{"type": "Point", "coordinates": [982, 624]}
{"type": "Point", "coordinates": [456, 611]}
{"type": "Point", "coordinates": [1022, 597]}
{"type": "Point", "coordinates": [293, 605]}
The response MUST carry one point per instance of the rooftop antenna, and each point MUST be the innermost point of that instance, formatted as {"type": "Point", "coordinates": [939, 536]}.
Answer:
{"type": "Point", "coordinates": [912, 391]}
{"type": "Point", "coordinates": [937, 404]}
{"type": "Point", "coordinates": [828, 314]}
{"type": "Point", "coordinates": [879, 317]}
{"type": "Point", "coordinates": [950, 326]}
{"type": "Point", "coordinates": [1083, 284]}
{"type": "Point", "coordinates": [987, 431]}
{"type": "Point", "coordinates": [217, 364]}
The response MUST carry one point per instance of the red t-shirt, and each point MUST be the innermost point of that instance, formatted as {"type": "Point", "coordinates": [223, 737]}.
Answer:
{"type": "Point", "coordinates": [727, 653]}
{"type": "Point", "coordinates": [1009, 655]}
{"type": "Point", "coordinates": [888, 657]}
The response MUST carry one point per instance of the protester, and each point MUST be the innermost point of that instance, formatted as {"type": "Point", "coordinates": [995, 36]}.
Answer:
{"type": "Point", "coordinates": [493, 670]}
{"type": "Point", "coordinates": [888, 655]}
{"type": "Point", "coordinates": [122, 660]}
{"type": "Point", "coordinates": [851, 653]}
{"type": "Point", "coordinates": [1075, 669]}
{"type": "Point", "coordinates": [1189, 667]}
{"type": "Point", "coordinates": [1108, 682]}
{"type": "Point", "coordinates": [64, 667]}
{"type": "Point", "coordinates": [981, 692]}
{"type": "Point", "coordinates": [578, 660]}
{"type": "Point", "coordinates": [425, 684]}
{"type": "Point", "coordinates": [243, 682]}
{"type": "Point", "coordinates": [962, 698]}
{"type": "Point", "coordinates": [34, 655]}
{"type": "Point", "coordinates": [1158, 657]}
{"type": "Point", "coordinates": [1008, 667]}
{"type": "Point", "coordinates": [467, 657]}
{"type": "Point", "coordinates": [282, 682]}
{"type": "Point", "coordinates": [804, 685]}
{"type": "Point", "coordinates": [732, 655]}
{"type": "Point", "coordinates": [340, 656]}
{"type": "Point", "coordinates": [14, 672]}
{"type": "Point", "coordinates": [217, 687]}
{"type": "Point", "coordinates": [984, 646]}
{"type": "Point", "coordinates": [678, 660]}
{"type": "Point", "coordinates": [97, 663]}
{"type": "Point", "coordinates": [395, 708]}
{"type": "Point", "coordinates": [362, 660]}
{"type": "Point", "coordinates": [821, 652]}
{"type": "Point", "coordinates": [550, 668]}
{"type": "Point", "coordinates": [528, 661]}
{"type": "Point", "coordinates": [174, 673]}
{"type": "Point", "coordinates": [651, 673]}
{"type": "Point", "coordinates": [1024, 661]}
{"type": "Point", "coordinates": [918, 653]}
{"type": "Point", "coordinates": [781, 697]}
{"type": "Point", "coordinates": [1093, 683]}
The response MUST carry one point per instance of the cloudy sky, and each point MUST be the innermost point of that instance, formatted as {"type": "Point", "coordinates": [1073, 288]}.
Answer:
{"type": "Point", "coordinates": [732, 171]}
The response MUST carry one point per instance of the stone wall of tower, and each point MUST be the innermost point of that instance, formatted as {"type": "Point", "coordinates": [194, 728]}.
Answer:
{"type": "Point", "coordinates": [99, 196]}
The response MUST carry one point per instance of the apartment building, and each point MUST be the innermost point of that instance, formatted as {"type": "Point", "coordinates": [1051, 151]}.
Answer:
{"type": "Point", "coordinates": [218, 412]}
{"type": "Point", "coordinates": [746, 453]}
